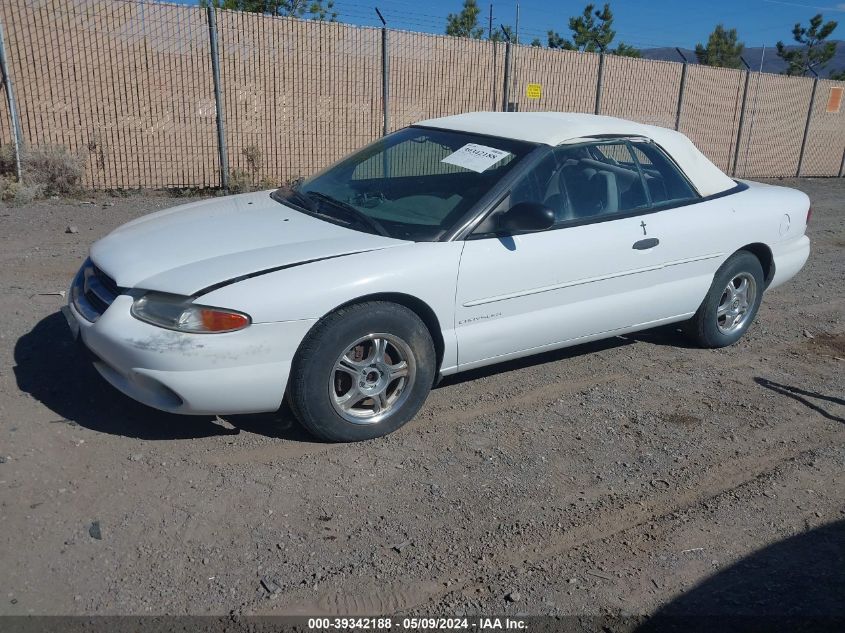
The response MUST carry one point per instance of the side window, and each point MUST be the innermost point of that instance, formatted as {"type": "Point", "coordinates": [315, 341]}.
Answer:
{"type": "Point", "coordinates": [615, 154]}
{"type": "Point", "coordinates": [533, 186]}
{"type": "Point", "coordinates": [664, 181]}
{"type": "Point", "coordinates": [585, 181]}
{"type": "Point", "coordinates": [598, 179]}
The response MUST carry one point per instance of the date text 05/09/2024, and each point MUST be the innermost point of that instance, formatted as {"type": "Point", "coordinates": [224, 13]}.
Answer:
{"type": "Point", "coordinates": [419, 623]}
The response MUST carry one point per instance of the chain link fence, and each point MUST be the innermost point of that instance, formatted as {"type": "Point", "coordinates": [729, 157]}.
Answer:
{"type": "Point", "coordinates": [297, 95]}
{"type": "Point", "coordinates": [711, 110]}
{"type": "Point", "coordinates": [128, 85]}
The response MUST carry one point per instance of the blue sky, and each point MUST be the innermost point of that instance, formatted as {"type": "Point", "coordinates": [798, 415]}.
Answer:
{"type": "Point", "coordinates": [643, 23]}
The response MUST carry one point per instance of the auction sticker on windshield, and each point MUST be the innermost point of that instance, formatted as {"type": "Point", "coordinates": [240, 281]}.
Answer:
{"type": "Point", "coordinates": [478, 158]}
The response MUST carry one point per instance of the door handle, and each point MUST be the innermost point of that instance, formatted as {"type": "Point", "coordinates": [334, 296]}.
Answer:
{"type": "Point", "coordinates": [644, 245]}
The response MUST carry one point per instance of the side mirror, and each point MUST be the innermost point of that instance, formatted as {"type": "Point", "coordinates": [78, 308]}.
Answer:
{"type": "Point", "coordinates": [526, 216]}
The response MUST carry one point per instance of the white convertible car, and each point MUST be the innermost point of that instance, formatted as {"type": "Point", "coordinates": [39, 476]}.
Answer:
{"type": "Point", "coordinates": [454, 243]}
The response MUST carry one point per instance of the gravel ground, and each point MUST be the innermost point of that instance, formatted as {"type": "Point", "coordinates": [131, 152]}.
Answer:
{"type": "Point", "coordinates": [629, 476]}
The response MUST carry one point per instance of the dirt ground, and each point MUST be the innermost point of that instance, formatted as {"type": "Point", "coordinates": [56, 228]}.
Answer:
{"type": "Point", "coordinates": [633, 476]}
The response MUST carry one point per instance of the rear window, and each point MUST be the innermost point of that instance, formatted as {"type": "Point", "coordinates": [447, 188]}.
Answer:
{"type": "Point", "coordinates": [664, 180]}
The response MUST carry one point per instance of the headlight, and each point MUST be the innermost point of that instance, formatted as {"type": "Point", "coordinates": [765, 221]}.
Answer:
{"type": "Point", "coordinates": [179, 313]}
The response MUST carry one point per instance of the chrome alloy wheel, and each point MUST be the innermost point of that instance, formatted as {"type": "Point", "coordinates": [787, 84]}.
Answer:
{"type": "Point", "coordinates": [736, 303]}
{"type": "Point", "coordinates": [372, 378]}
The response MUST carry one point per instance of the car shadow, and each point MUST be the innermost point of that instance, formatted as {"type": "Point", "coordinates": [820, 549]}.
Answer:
{"type": "Point", "coordinates": [802, 395]}
{"type": "Point", "coordinates": [797, 584]}
{"type": "Point", "coordinates": [664, 335]}
{"type": "Point", "coordinates": [51, 368]}
{"type": "Point", "coordinates": [281, 425]}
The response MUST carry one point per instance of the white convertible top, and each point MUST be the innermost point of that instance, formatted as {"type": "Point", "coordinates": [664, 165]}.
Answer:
{"type": "Point", "coordinates": [555, 128]}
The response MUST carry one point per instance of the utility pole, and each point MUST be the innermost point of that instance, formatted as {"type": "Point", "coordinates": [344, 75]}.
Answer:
{"type": "Point", "coordinates": [516, 26]}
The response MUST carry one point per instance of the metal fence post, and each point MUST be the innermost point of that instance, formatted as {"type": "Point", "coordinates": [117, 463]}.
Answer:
{"type": "Point", "coordinates": [807, 127]}
{"type": "Point", "coordinates": [495, 97]}
{"type": "Point", "coordinates": [842, 164]}
{"type": "Point", "coordinates": [17, 140]}
{"type": "Point", "coordinates": [218, 99]}
{"type": "Point", "coordinates": [598, 83]}
{"type": "Point", "coordinates": [681, 90]}
{"type": "Point", "coordinates": [495, 68]}
{"type": "Point", "coordinates": [385, 82]}
{"type": "Point", "coordinates": [506, 88]}
{"type": "Point", "coordinates": [741, 121]}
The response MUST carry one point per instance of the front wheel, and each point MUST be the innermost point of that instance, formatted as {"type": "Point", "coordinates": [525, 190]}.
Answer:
{"type": "Point", "coordinates": [362, 372]}
{"type": "Point", "coordinates": [731, 303]}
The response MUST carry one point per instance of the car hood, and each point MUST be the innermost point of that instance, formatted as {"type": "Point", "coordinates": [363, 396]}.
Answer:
{"type": "Point", "coordinates": [189, 248]}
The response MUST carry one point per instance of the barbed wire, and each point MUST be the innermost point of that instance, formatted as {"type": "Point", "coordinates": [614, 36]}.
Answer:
{"type": "Point", "coordinates": [404, 15]}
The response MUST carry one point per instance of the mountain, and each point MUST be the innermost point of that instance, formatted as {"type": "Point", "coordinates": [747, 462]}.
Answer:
{"type": "Point", "coordinates": [771, 62]}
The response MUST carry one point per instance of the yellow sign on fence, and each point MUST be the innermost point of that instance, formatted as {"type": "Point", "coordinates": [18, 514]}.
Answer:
{"type": "Point", "coordinates": [533, 91]}
{"type": "Point", "coordinates": [834, 100]}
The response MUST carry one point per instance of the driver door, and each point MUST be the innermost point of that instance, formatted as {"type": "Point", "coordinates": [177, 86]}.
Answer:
{"type": "Point", "coordinates": [591, 274]}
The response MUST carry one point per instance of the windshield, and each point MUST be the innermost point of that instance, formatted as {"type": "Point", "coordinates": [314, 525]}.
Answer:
{"type": "Point", "coordinates": [414, 184]}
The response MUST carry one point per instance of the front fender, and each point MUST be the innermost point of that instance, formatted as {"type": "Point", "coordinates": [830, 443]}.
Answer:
{"type": "Point", "coordinates": [427, 271]}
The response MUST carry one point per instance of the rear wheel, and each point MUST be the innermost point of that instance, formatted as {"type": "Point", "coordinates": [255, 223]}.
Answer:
{"type": "Point", "coordinates": [731, 303]}
{"type": "Point", "coordinates": [362, 372]}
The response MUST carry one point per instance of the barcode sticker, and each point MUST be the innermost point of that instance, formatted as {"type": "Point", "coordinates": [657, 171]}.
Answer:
{"type": "Point", "coordinates": [478, 158]}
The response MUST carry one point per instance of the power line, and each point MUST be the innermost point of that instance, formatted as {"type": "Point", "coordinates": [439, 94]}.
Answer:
{"type": "Point", "coordinates": [807, 6]}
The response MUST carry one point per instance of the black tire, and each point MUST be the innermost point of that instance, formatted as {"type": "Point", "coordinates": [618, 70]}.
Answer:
{"type": "Point", "coordinates": [704, 328]}
{"type": "Point", "coordinates": [309, 386]}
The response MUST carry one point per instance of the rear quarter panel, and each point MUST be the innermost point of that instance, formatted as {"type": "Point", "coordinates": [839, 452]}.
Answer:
{"type": "Point", "coordinates": [773, 216]}
{"type": "Point", "coordinates": [772, 213]}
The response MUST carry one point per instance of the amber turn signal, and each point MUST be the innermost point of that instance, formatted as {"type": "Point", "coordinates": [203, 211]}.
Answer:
{"type": "Point", "coordinates": [221, 321]}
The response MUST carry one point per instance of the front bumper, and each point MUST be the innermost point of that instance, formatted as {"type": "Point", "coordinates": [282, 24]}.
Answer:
{"type": "Point", "coordinates": [236, 372]}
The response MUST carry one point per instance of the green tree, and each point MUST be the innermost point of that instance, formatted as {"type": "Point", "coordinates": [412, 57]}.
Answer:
{"type": "Point", "coordinates": [536, 42]}
{"type": "Point", "coordinates": [624, 50]}
{"type": "Point", "coordinates": [592, 32]}
{"type": "Point", "coordinates": [498, 36]}
{"type": "Point", "coordinates": [815, 53]}
{"type": "Point", "coordinates": [838, 75]}
{"type": "Point", "coordinates": [313, 9]}
{"type": "Point", "coordinates": [722, 49]}
{"type": "Point", "coordinates": [556, 41]}
{"type": "Point", "coordinates": [465, 23]}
